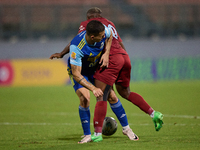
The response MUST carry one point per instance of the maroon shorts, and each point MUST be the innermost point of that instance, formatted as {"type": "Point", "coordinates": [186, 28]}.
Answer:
{"type": "Point", "coordinates": [118, 71]}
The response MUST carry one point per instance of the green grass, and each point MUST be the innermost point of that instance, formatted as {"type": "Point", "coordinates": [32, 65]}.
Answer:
{"type": "Point", "coordinates": [47, 118]}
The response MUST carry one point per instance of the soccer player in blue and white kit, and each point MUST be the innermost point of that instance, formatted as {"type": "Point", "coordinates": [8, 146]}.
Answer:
{"type": "Point", "coordinates": [85, 54]}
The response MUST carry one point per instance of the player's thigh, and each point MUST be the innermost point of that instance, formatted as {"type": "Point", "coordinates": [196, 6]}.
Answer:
{"type": "Point", "coordinates": [100, 84]}
{"type": "Point", "coordinates": [110, 74]}
{"type": "Point", "coordinates": [81, 91]}
{"type": "Point", "coordinates": [125, 73]}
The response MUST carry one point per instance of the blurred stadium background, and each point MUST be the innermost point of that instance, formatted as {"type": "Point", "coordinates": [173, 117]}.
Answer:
{"type": "Point", "coordinates": [162, 37]}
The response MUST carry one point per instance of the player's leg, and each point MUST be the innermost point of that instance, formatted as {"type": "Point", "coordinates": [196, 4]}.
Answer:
{"type": "Point", "coordinates": [139, 101]}
{"type": "Point", "coordinates": [104, 78]}
{"type": "Point", "coordinates": [84, 110]}
{"type": "Point", "coordinates": [100, 111]}
{"type": "Point", "coordinates": [119, 111]}
{"type": "Point", "coordinates": [122, 86]}
{"type": "Point", "coordinates": [116, 106]}
{"type": "Point", "coordinates": [84, 113]}
{"type": "Point", "coordinates": [134, 98]}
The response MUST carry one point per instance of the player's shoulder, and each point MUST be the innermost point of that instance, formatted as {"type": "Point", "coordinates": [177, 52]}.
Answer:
{"type": "Point", "coordinates": [78, 38]}
{"type": "Point", "coordinates": [83, 25]}
{"type": "Point", "coordinates": [106, 20]}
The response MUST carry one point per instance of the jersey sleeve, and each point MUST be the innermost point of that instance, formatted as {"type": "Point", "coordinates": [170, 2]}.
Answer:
{"type": "Point", "coordinates": [75, 56]}
{"type": "Point", "coordinates": [107, 32]}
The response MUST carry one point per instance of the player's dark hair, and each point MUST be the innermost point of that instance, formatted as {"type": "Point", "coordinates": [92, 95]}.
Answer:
{"type": "Point", "coordinates": [94, 27]}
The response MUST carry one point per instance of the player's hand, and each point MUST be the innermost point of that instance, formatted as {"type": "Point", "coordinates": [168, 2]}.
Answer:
{"type": "Point", "coordinates": [56, 55]}
{"type": "Point", "coordinates": [97, 92]}
{"type": "Point", "coordinates": [104, 61]}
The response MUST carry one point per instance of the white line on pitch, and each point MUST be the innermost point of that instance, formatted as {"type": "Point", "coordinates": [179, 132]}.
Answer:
{"type": "Point", "coordinates": [72, 124]}
{"type": "Point", "coordinates": [108, 114]}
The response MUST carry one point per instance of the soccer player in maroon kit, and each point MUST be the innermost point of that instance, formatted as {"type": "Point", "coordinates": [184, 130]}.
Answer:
{"type": "Point", "coordinates": [118, 72]}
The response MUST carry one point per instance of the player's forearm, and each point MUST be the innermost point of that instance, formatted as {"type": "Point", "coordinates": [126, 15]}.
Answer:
{"type": "Point", "coordinates": [65, 50]}
{"type": "Point", "coordinates": [76, 72]}
{"type": "Point", "coordinates": [86, 84]}
{"type": "Point", "coordinates": [82, 81]}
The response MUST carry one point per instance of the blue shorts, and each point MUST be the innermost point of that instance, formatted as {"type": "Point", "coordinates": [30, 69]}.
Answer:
{"type": "Point", "coordinates": [76, 85]}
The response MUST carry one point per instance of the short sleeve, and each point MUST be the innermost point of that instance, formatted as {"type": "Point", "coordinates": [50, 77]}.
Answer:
{"type": "Point", "coordinates": [75, 55]}
{"type": "Point", "coordinates": [107, 32]}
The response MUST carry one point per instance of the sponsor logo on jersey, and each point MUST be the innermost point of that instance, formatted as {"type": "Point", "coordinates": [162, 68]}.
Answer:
{"type": "Point", "coordinates": [91, 57]}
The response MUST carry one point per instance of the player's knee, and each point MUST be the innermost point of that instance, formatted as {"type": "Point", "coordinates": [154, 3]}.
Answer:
{"type": "Point", "coordinates": [112, 101]}
{"type": "Point", "coordinates": [84, 101]}
{"type": "Point", "coordinates": [125, 95]}
{"type": "Point", "coordinates": [112, 98]}
{"type": "Point", "coordinates": [123, 92]}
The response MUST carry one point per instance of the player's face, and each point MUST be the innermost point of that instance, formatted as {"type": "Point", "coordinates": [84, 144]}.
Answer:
{"type": "Point", "coordinates": [99, 37]}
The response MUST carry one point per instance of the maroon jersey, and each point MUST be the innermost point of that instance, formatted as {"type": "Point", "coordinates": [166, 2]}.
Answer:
{"type": "Point", "coordinates": [115, 47]}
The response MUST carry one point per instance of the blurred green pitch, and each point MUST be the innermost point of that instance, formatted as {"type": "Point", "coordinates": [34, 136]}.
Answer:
{"type": "Point", "coordinates": [47, 118]}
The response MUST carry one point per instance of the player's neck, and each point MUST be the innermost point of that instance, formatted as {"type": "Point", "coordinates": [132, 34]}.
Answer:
{"type": "Point", "coordinates": [88, 40]}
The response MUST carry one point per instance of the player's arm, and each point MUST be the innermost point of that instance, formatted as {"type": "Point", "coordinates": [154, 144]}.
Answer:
{"type": "Point", "coordinates": [105, 57]}
{"type": "Point", "coordinates": [76, 67]}
{"type": "Point", "coordinates": [66, 49]}
{"type": "Point", "coordinates": [61, 54]}
{"type": "Point", "coordinates": [76, 72]}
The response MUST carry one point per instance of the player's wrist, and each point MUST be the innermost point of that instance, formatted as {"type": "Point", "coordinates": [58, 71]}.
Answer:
{"type": "Point", "coordinates": [93, 88]}
{"type": "Point", "coordinates": [62, 54]}
{"type": "Point", "coordinates": [107, 52]}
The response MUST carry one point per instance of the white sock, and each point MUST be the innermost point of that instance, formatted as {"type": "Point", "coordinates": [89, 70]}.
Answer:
{"type": "Point", "coordinates": [97, 134]}
{"type": "Point", "coordinates": [152, 114]}
{"type": "Point", "coordinates": [125, 127]}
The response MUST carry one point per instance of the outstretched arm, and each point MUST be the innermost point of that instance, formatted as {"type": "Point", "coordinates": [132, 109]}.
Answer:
{"type": "Point", "coordinates": [61, 54]}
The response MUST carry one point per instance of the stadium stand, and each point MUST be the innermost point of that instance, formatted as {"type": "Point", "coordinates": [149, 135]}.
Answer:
{"type": "Point", "coordinates": [59, 18]}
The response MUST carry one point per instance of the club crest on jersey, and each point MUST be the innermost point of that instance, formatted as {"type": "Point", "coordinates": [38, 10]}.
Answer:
{"type": "Point", "coordinates": [73, 55]}
{"type": "Point", "coordinates": [102, 44]}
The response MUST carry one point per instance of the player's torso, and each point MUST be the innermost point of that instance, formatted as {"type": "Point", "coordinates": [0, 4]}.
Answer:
{"type": "Point", "coordinates": [91, 53]}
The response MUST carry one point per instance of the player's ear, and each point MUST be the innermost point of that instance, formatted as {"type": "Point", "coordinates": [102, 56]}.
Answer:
{"type": "Point", "coordinates": [92, 37]}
